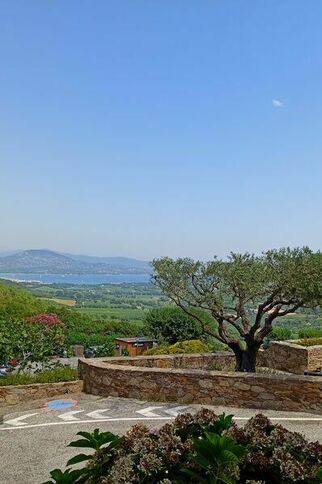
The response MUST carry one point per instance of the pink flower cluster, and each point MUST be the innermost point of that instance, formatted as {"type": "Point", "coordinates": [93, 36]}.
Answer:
{"type": "Point", "coordinates": [47, 319]}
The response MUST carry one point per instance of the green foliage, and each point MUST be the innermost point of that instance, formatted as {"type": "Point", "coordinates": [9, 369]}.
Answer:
{"type": "Point", "coordinates": [274, 454]}
{"type": "Point", "coordinates": [34, 343]}
{"type": "Point", "coordinates": [277, 283]}
{"type": "Point", "coordinates": [190, 346]}
{"type": "Point", "coordinates": [45, 376]}
{"type": "Point", "coordinates": [112, 297]}
{"type": "Point", "coordinates": [205, 422]}
{"type": "Point", "coordinates": [217, 458]}
{"type": "Point", "coordinates": [96, 441]}
{"type": "Point", "coordinates": [159, 350]}
{"type": "Point", "coordinates": [201, 448]}
{"type": "Point", "coordinates": [29, 342]}
{"type": "Point", "coordinates": [16, 303]}
{"type": "Point", "coordinates": [107, 349]}
{"type": "Point", "coordinates": [172, 324]}
{"type": "Point", "coordinates": [310, 333]}
{"type": "Point", "coordinates": [85, 331]}
{"type": "Point", "coordinates": [79, 337]}
{"type": "Point", "coordinates": [319, 475]}
{"type": "Point", "coordinates": [109, 313]}
{"type": "Point", "coordinates": [214, 345]}
{"type": "Point", "coordinates": [65, 477]}
{"type": "Point", "coordinates": [308, 341]}
{"type": "Point", "coordinates": [281, 334]}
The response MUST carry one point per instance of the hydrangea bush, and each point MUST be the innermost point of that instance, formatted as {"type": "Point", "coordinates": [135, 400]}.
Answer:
{"type": "Point", "coordinates": [275, 454]}
{"type": "Point", "coordinates": [200, 448]}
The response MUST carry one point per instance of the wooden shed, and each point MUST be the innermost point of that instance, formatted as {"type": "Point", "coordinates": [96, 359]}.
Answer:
{"type": "Point", "coordinates": [133, 346]}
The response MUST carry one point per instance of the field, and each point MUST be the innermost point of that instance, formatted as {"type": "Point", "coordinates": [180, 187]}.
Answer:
{"type": "Point", "coordinates": [64, 302]}
{"type": "Point", "coordinates": [100, 312]}
{"type": "Point", "coordinates": [127, 296]}
{"type": "Point", "coordinates": [114, 313]}
{"type": "Point", "coordinates": [102, 303]}
{"type": "Point", "coordinates": [301, 320]}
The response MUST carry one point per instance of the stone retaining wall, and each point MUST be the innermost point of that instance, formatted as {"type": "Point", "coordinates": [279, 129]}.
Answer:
{"type": "Point", "coordinates": [291, 357]}
{"type": "Point", "coordinates": [197, 361]}
{"type": "Point", "coordinates": [14, 394]}
{"type": "Point", "coordinates": [314, 357]}
{"type": "Point", "coordinates": [129, 378]}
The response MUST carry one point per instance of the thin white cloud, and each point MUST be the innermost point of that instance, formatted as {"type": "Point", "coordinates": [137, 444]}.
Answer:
{"type": "Point", "coordinates": [277, 103]}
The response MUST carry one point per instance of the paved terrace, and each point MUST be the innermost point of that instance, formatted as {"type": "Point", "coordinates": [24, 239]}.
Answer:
{"type": "Point", "coordinates": [34, 436]}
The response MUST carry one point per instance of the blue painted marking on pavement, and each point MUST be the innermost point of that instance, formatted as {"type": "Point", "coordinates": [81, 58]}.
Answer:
{"type": "Point", "coordinates": [60, 404]}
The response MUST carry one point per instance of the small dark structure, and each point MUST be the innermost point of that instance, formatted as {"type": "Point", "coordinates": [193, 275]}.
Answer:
{"type": "Point", "coordinates": [133, 346]}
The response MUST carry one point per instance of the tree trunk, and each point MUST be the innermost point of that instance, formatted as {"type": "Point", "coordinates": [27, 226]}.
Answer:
{"type": "Point", "coordinates": [245, 358]}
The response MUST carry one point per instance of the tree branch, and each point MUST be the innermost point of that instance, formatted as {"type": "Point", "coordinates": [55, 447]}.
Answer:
{"type": "Point", "coordinates": [205, 327]}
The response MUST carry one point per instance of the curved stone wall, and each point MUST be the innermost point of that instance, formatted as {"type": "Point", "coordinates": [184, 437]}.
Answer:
{"type": "Point", "coordinates": [160, 378]}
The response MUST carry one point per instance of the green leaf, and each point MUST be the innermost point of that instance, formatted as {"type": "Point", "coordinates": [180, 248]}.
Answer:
{"type": "Point", "coordinates": [87, 435]}
{"type": "Point", "coordinates": [67, 477]}
{"type": "Point", "coordinates": [319, 475]}
{"type": "Point", "coordinates": [78, 458]}
{"type": "Point", "coordinates": [83, 443]}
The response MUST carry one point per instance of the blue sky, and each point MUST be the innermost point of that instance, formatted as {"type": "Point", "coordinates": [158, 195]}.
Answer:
{"type": "Point", "coordinates": [145, 128]}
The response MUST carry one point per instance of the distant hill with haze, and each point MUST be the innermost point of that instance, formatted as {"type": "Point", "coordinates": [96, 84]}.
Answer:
{"type": "Point", "coordinates": [44, 261]}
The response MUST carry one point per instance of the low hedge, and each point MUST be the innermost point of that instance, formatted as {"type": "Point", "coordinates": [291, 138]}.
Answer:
{"type": "Point", "coordinates": [45, 376]}
{"type": "Point", "coordinates": [189, 346]}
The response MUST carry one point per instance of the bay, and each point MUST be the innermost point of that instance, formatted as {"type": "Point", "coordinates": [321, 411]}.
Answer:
{"type": "Point", "coordinates": [78, 278]}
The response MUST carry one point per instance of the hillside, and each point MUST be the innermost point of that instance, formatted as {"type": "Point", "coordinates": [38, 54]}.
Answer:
{"type": "Point", "coordinates": [17, 303]}
{"type": "Point", "coordinates": [49, 262]}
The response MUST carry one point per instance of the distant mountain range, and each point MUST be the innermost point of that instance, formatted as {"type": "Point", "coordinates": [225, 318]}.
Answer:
{"type": "Point", "coordinates": [45, 261]}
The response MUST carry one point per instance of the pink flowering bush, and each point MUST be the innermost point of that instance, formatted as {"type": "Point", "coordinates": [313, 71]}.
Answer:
{"type": "Point", "coordinates": [47, 319]}
{"type": "Point", "coordinates": [200, 448]}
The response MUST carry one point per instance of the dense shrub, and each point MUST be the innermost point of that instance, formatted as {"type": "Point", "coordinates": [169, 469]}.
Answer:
{"type": "Point", "coordinates": [30, 341]}
{"type": "Point", "coordinates": [190, 346]}
{"type": "Point", "coordinates": [90, 333]}
{"type": "Point", "coordinates": [106, 349]}
{"type": "Point", "coordinates": [172, 324]}
{"type": "Point", "coordinates": [200, 448]}
{"type": "Point", "coordinates": [79, 337]}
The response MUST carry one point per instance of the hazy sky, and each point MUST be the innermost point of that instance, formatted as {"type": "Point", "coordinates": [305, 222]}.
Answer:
{"type": "Point", "coordinates": [166, 127]}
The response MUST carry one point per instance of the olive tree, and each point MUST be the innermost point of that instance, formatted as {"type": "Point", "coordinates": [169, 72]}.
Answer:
{"type": "Point", "coordinates": [242, 295]}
